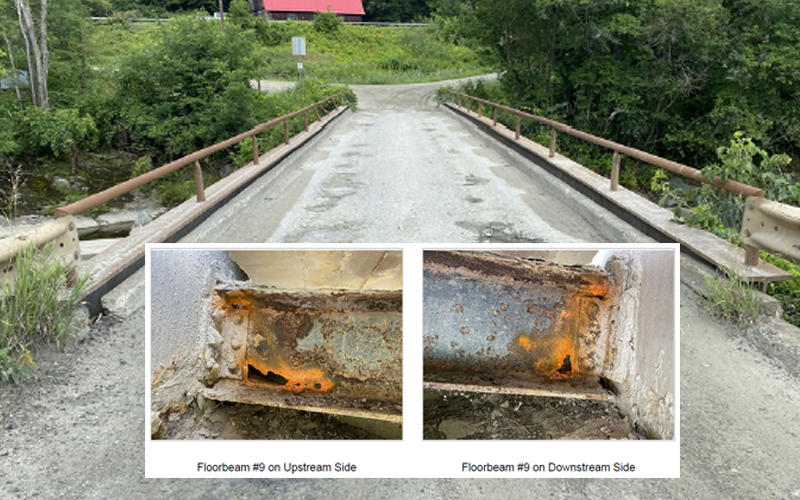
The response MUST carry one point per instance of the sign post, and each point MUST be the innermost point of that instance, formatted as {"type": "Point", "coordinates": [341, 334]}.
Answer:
{"type": "Point", "coordinates": [299, 50]}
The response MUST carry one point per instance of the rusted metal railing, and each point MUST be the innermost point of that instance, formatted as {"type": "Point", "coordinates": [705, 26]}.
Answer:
{"type": "Point", "coordinates": [618, 149]}
{"type": "Point", "coordinates": [751, 253]}
{"type": "Point", "coordinates": [194, 159]}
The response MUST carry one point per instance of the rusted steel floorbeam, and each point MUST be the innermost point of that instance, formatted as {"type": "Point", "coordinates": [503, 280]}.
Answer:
{"type": "Point", "coordinates": [330, 351]}
{"type": "Point", "coordinates": [513, 326]}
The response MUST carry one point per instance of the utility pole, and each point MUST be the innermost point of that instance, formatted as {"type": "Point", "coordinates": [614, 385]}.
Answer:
{"type": "Point", "coordinates": [221, 16]}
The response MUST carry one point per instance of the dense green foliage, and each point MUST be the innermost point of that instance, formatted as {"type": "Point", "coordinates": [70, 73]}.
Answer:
{"type": "Point", "coordinates": [675, 77]}
{"type": "Point", "coordinates": [152, 90]}
{"type": "Point", "coordinates": [188, 90]}
{"type": "Point", "coordinates": [396, 11]}
{"type": "Point", "coordinates": [36, 307]}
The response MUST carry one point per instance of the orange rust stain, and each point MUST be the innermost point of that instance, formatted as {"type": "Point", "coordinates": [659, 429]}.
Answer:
{"type": "Point", "coordinates": [546, 353]}
{"type": "Point", "coordinates": [230, 303]}
{"type": "Point", "coordinates": [598, 290]}
{"type": "Point", "coordinates": [297, 379]}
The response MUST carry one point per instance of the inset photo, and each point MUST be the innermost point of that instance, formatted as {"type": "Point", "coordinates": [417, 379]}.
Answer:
{"type": "Point", "coordinates": [275, 344]}
{"type": "Point", "coordinates": [550, 344]}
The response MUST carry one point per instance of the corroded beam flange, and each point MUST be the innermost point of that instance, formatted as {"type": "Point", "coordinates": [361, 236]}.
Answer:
{"type": "Point", "coordinates": [498, 324]}
{"type": "Point", "coordinates": [331, 351]}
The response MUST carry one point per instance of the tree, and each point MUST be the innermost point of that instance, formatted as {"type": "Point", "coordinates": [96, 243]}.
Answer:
{"type": "Point", "coordinates": [35, 50]}
{"type": "Point", "coordinates": [14, 72]}
{"type": "Point", "coordinates": [63, 132]}
{"type": "Point", "coordinates": [188, 90]}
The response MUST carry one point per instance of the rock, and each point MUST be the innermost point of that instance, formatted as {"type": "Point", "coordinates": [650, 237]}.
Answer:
{"type": "Point", "coordinates": [78, 183]}
{"type": "Point", "coordinates": [60, 183]}
{"type": "Point", "coordinates": [117, 222]}
{"type": "Point", "coordinates": [79, 327]}
{"type": "Point", "coordinates": [142, 218]}
{"type": "Point", "coordinates": [457, 429]}
{"type": "Point", "coordinates": [155, 422]}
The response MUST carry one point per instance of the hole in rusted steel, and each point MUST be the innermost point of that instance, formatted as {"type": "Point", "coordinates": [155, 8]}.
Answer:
{"type": "Point", "coordinates": [566, 366]}
{"type": "Point", "coordinates": [271, 377]}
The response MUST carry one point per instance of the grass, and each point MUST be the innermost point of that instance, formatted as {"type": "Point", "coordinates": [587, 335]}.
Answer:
{"type": "Point", "coordinates": [373, 55]}
{"type": "Point", "coordinates": [36, 307]}
{"type": "Point", "coordinates": [732, 298]}
{"type": "Point", "coordinates": [107, 42]}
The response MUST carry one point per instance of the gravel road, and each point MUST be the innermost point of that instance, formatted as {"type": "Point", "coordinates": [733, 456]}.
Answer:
{"type": "Point", "coordinates": [401, 169]}
{"type": "Point", "coordinates": [76, 429]}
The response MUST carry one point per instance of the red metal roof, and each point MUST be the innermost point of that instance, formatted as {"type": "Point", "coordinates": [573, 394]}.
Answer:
{"type": "Point", "coordinates": [350, 7]}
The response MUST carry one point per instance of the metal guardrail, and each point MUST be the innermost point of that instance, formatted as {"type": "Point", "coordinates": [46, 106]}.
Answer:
{"type": "Point", "coordinates": [771, 226]}
{"type": "Point", "coordinates": [784, 220]}
{"type": "Point", "coordinates": [657, 161]}
{"type": "Point", "coordinates": [62, 233]}
{"type": "Point", "coordinates": [109, 194]}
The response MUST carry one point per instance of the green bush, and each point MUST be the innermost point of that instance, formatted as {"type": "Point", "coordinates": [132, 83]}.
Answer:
{"type": "Point", "coordinates": [62, 133]}
{"type": "Point", "coordinates": [36, 307]}
{"type": "Point", "coordinates": [327, 23]}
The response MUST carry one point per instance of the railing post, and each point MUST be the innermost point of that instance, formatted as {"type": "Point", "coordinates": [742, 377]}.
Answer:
{"type": "Point", "coordinates": [552, 142]}
{"type": "Point", "coordinates": [198, 182]}
{"type": "Point", "coordinates": [286, 131]}
{"type": "Point", "coordinates": [480, 109]}
{"type": "Point", "coordinates": [305, 118]}
{"type": "Point", "coordinates": [460, 102]}
{"type": "Point", "coordinates": [750, 256]}
{"type": "Point", "coordinates": [452, 98]}
{"type": "Point", "coordinates": [516, 134]}
{"type": "Point", "coordinates": [255, 150]}
{"type": "Point", "coordinates": [615, 171]}
{"type": "Point", "coordinates": [316, 112]}
{"type": "Point", "coordinates": [494, 124]}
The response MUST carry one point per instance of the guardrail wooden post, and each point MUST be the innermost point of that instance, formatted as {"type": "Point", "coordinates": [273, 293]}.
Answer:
{"type": "Point", "coordinates": [516, 134]}
{"type": "Point", "coordinates": [255, 150]}
{"type": "Point", "coordinates": [286, 131]}
{"type": "Point", "coordinates": [460, 102]}
{"type": "Point", "coordinates": [316, 111]}
{"type": "Point", "coordinates": [615, 171]}
{"type": "Point", "coordinates": [552, 142]}
{"type": "Point", "coordinates": [198, 182]}
{"type": "Point", "coordinates": [305, 120]}
{"type": "Point", "coordinates": [480, 109]}
{"type": "Point", "coordinates": [452, 98]}
{"type": "Point", "coordinates": [494, 123]}
{"type": "Point", "coordinates": [750, 256]}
